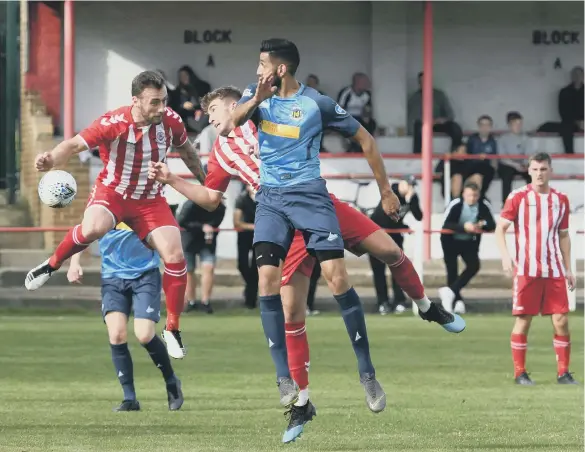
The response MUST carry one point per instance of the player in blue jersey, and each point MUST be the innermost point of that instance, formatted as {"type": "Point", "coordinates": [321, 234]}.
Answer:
{"type": "Point", "coordinates": [293, 195]}
{"type": "Point", "coordinates": [131, 280]}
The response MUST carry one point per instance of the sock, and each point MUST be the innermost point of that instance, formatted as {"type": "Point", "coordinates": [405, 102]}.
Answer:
{"type": "Point", "coordinates": [518, 344]}
{"type": "Point", "coordinates": [124, 369]}
{"type": "Point", "coordinates": [174, 284]}
{"type": "Point", "coordinates": [303, 397]}
{"type": "Point", "coordinates": [73, 243]}
{"type": "Point", "coordinates": [160, 357]}
{"type": "Point", "coordinates": [562, 345]}
{"type": "Point", "coordinates": [272, 317]}
{"type": "Point", "coordinates": [407, 278]}
{"type": "Point", "coordinates": [297, 347]}
{"type": "Point", "coordinates": [355, 323]}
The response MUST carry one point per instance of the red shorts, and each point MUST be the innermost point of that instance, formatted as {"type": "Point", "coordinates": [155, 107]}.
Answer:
{"type": "Point", "coordinates": [355, 228]}
{"type": "Point", "coordinates": [142, 215]}
{"type": "Point", "coordinates": [533, 296]}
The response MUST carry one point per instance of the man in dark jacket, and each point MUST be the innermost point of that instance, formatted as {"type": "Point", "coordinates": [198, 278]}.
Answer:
{"type": "Point", "coordinates": [480, 144]}
{"type": "Point", "coordinates": [408, 203]}
{"type": "Point", "coordinates": [244, 216]}
{"type": "Point", "coordinates": [199, 237]}
{"type": "Point", "coordinates": [468, 216]}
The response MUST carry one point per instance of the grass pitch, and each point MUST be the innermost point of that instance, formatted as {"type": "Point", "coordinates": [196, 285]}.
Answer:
{"type": "Point", "coordinates": [445, 392]}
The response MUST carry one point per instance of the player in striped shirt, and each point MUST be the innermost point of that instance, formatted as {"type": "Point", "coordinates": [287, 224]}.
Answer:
{"type": "Point", "coordinates": [542, 268]}
{"type": "Point", "coordinates": [128, 139]}
{"type": "Point", "coordinates": [231, 157]}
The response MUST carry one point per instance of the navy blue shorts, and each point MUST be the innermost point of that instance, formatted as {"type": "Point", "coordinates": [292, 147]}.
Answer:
{"type": "Point", "coordinates": [306, 207]}
{"type": "Point", "coordinates": [141, 294]}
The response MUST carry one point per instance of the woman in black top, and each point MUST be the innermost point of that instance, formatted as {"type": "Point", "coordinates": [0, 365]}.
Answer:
{"type": "Point", "coordinates": [408, 203]}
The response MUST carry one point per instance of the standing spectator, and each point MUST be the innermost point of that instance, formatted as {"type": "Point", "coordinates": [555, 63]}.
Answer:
{"type": "Point", "coordinates": [355, 97]}
{"type": "Point", "coordinates": [313, 82]}
{"type": "Point", "coordinates": [244, 215]}
{"type": "Point", "coordinates": [408, 203]}
{"type": "Point", "coordinates": [185, 99]}
{"type": "Point", "coordinates": [514, 142]}
{"type": "Point", "coordinates": [443, 118]}
{"type": "Point", "coordinates": [571, 101]}
{"type": "Point", "coordinates": [199, 238]}
{"type": "Point", "coordinates": [481, 144]}
{"type": "Point", "coordinates": [468, 216]}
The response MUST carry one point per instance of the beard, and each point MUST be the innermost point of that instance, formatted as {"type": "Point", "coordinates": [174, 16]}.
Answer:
{"type": "Point", "coordinates": [276, 81]}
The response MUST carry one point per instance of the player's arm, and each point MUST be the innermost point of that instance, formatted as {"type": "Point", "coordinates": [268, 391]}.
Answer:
{"type": "Point", "coordinates": [565, 246]}
{"type": "Point", "coordinates": [192, 160]}
{"type": "Point", "coordinates": [252, 97]}
{"type": "Point", "coordinates": [507, 216]}
{"type": "Point", "coordinates": [60, 155]}
{"type": "Point", "coordinates": [375, 161]}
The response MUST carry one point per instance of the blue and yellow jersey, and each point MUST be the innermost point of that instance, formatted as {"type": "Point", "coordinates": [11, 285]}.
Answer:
{"type": "Point", "coordinates": [290, 133]}
{"type": "Point", "coordinates": [124, 255]}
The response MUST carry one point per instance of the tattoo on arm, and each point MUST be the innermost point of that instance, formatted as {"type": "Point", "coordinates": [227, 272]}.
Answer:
{"type": "Point", "coordinates": [192, 160]}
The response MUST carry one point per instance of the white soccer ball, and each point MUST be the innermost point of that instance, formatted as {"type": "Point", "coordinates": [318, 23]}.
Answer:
{"type": "Point", "coordinates": [57, 189]}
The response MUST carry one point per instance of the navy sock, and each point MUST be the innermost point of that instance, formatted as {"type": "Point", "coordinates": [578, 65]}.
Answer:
{"type": "Point", "coordinates": [124, 369]}
{"type": "Point", "coordinates": [160, 357]}
{"type": "Point", "coordinates": [272, 317]}
{"type": "Point", "coordinates": [355, 323]}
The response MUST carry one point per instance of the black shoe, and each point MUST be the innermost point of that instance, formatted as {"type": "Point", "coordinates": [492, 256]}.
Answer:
{"type": "Point", "coordinates": [297, 417]}
{"type": "Point", "coordinates": [191, 306]}
{"type": "Point", "coordinates": [175, 395]}
{"type": "Point", "coordinates": [452, 323]}
{"type": "Point", "coordinates": [567, 379]}
{"type": "Point", "coordinates": [174, 344]}
{"type": "Point", "coordinates": [206, 308]}
{"type": "Point", "coordinates": [128, 405]}
{"type": "Point", "coordinates": [523, 379]}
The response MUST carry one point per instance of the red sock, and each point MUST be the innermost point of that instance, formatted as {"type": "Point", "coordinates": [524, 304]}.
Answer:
{"type": "Point", "coordinates": [297, 347]}
{"type": "Point", "coordinates": [518, 344]}
{"type": "Point", "coordinates": [562, 346]}
{"type": "Point", "coordinates": [174, 284]}
{"type": "Point", "coordinates": [407, 278]}
{"type": "Point", "coordinates": [73, 243]}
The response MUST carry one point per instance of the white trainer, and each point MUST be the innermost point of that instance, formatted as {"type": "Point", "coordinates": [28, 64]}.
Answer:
{"type": "Point", "coordinates": [38, 276]}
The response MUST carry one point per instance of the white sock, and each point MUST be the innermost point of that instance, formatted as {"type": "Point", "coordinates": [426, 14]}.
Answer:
{"type": "Point", "coordinates": [303, 397]}
{"type": "Point", "coordinates": [424, 305]}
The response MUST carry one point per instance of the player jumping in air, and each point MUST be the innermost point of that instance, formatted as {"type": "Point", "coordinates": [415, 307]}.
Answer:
{"type": "Point", "coordinates": [131, 280]}
{"type": "Point", "coordinates": [231, 157]}
{"type": "Point", "coordinates": [542, 268]}
{"type": "Point", "coordinates": [128, 139]}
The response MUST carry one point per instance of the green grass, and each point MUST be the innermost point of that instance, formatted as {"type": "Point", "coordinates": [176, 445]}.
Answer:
{"type": "Point", "coordinates": [445, 392]}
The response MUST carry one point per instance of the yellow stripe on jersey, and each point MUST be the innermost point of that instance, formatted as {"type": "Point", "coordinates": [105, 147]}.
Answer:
{"type": "Point", "coordinates": [123, 227]}
{"type": "Point", "coordinates": [280, 130]}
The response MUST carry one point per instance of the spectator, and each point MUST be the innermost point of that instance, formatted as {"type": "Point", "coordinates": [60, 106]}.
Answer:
{"type": "Point", "coordinates": [185, 99]}
{"type": "Point", "coordinates": [468, 216]}
{"type": "Point", "coordinates": [205, 140]}
{"type": "Point", "coordinates": [369, 124]}
{"type": "Point", "coordinates": [408, 203]}
{"type": "Point", "coordinates": [244, 215]}
{"type": "Point", "coordinates": [571, 100]}
{"type": "Point", "coordinates": [313, 82]}
{"type": "Point", "coordinates": [199, 238]}
{"type": "Point", "coordinates": [442, 118]}
{"type": "Point", "coordinates": [481, 144]}
{"type": "Point", "coordinates": [354, 98]}
{"type": "Point", "coordinates": [514, 142]}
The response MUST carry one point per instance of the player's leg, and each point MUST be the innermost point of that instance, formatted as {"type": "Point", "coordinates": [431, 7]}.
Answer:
{"type": "Point", "coordinates": [146, 300]}
{"type": "Point", "coordinates": [556, 304]}
{"type": "Point", "coordinates": [527, 297]}
{"type": "Point", "coordinates": [116, 306]}
{"type": "Point", "coordinates": [207, 260]}
{"type": "Point", "coordinates": [153, 221]}
{"type": "Point", "coordinates": [97, 220]}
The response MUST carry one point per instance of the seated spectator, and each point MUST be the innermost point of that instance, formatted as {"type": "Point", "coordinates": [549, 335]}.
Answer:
{"type": "Point", "coordinates": [199, 238]}
{"type": "Point", "coordinates": [458, 172]}
{"type": "Point", "coordinates": [442, 118]}
{"type": "Point", "coordinates": [481, 144]}
{"type": "Point", "coordinates": [571, 101]}
{"type": "Point", "coordinates": [185, 99]}
{"type": "Point", "coordinates": [468, 216]}
{"type": "Point", "coordinates": [354, 98]}
{"type": "Point", "coordinates": [369, 124]}
{"type": "Point", "coordinates": [514, 142]}
{"type": "Point", "coordinates": [313, 82]}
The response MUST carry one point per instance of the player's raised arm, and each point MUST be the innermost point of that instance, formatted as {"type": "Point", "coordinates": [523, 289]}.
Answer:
{"type": "Point", "coordinates": [192, 160]}
{"type": "Point", "coordinates": [60, 155]}
{"type": "Point", "coordinates": [252, 97]}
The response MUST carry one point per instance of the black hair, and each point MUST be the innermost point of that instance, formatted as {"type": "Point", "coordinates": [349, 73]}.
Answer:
{"type": "Point", "coordinates": [147, 79]}
{"type": "Point", "coordinates": [512, 116]}
{"type": "Point", "coordinates": [540, 157]}
{"type": "Point", "coordinates": [284, 50]}
{"type": "Point", "coordinates": [472, 185]}
{"type": "Point", "coordinates": [485, 118]}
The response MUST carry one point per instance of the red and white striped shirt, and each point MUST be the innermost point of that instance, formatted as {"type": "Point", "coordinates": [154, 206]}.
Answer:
{"type": "Point", "coordinates": [537, 219]}
{"type": "Point", "coordinates": [229, 157]}
{"type": "Point", "coordinates": [126, 149]}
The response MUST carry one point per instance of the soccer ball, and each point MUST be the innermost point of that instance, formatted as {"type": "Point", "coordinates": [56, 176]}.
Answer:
{"type": "Point", "coordinates": [57, 189]}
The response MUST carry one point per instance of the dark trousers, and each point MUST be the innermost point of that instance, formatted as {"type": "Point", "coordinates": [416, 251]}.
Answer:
{"type": "Point", "coordinates": [566, 130]}
{"type": "Point", "coordinates": [450, 128]}
{"type": "Point", "coordinates": [469, 252]}
{"type": "Point", "coordinates": [507, 175]}
{"type": "Point", "coordinates": [313, 286]}
{"type": "Point", "coordinates": [483, 168]}
{"type": "Point", "coordinates": [379, 274]}
{"type": "Point", "coordinates": [247, 267]}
